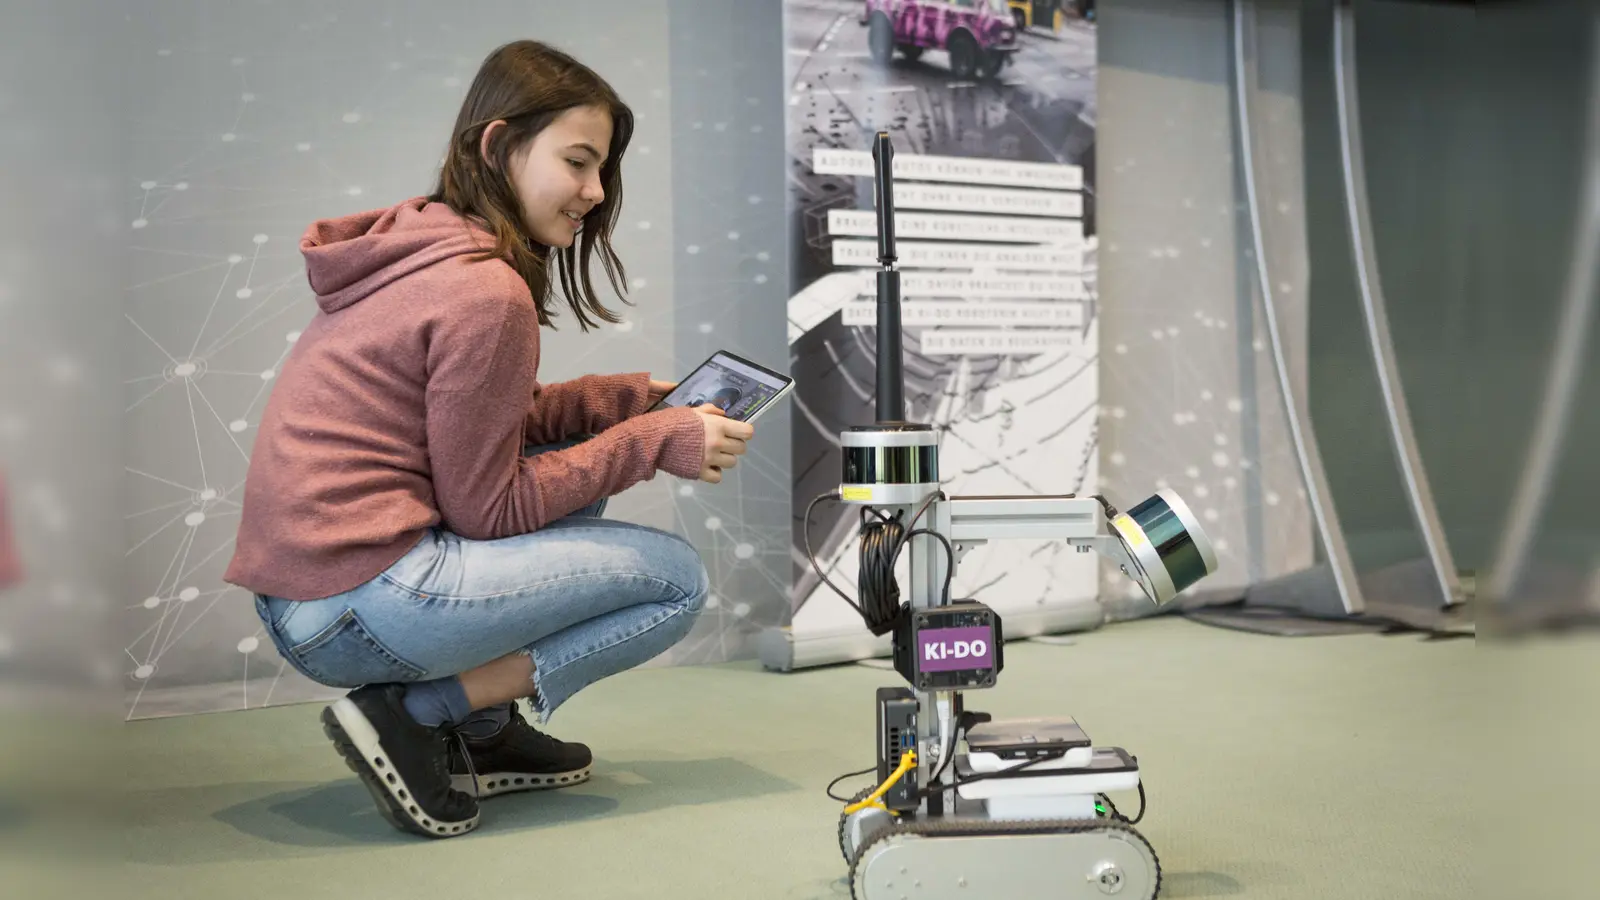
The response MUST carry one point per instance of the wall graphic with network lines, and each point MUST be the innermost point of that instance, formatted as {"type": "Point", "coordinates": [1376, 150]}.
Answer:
{"type": "Point", "coordinates": [997, 248]}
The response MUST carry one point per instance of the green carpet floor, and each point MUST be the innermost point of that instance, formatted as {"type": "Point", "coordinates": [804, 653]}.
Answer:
{"type": "Point", "coordinates": [1337, 768]}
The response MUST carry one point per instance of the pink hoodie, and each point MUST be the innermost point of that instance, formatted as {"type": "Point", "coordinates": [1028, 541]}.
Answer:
{"type": "Point", "coordinates": [405, 405]}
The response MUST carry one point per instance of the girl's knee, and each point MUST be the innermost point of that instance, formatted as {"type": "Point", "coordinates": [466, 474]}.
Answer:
{"type": "Point", "coordinates": [687, 571]}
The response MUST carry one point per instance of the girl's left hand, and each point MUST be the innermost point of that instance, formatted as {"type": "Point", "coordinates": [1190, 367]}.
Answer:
{"type": "Point", "coordinates": [659, 389]}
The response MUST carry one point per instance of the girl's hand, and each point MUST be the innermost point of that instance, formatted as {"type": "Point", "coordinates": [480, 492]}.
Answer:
{"type": "Point", "coordinates": [725, 442]}
{"type": "Point", "coordinates": [659, 389]}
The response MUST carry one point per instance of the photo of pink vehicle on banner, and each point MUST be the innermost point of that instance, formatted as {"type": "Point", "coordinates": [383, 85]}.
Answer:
{"type": "Point", "coordinates": [990, 106]}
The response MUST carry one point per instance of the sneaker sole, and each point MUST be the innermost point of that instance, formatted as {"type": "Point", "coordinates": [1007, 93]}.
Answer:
{"type": "Point", "coordinates": [357, 741]}
{"type": "Point", "coordinates": [497, 783]}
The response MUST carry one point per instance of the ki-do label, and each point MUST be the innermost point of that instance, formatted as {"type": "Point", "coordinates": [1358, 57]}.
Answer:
{"type": "Point", "coordinates": [955, 649]}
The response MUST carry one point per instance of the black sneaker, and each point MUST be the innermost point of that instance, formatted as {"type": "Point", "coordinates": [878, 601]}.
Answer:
{"type": "Point", "coordinates": [405, 765]}
{"type": "Point", "coordinates": [518, 757]}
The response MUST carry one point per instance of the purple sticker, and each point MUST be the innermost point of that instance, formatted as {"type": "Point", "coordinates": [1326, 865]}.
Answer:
{"type": "Point", "coordinates": [953, 649]}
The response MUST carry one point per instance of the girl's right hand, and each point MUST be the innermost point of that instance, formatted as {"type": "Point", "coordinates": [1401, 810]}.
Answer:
{"type": "Point", "coordinates": [725, 442]}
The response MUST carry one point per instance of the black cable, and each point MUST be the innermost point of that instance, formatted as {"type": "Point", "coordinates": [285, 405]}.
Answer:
{"type": "Point", "coordinates": [805, 529]}
{"type": "Point", "coordinates": [832, 796]}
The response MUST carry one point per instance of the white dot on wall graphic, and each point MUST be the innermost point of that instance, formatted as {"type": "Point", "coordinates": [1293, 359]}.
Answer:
{"type": "Point", "coordinates": [1118, 412]}
{"type": "Point", "coordinates": [208, 494]}
{"type": "Point", "coordinates": [639, 282]}
{"type": "Point", "coordinates": [1220, 544]}
{"type": "Point", "coordinates": [761, 279]}
{"type": "Point", "coordinates": [249, 645]}
{"type": "Point", "coordinates": [644, 226]}
{"type": "Point", "coordinates": [1157, 334]}
{"type": "Point", "coordinates": [733, 235]}
{"type": "Point", "coordinates": [1211, 515]}
{"type": "Point", "coordinates": [259, 239]}
{"type": "Point", "coordinates": [1259, 345]}
{"type": "Point", "coordinates": [754, 199]}
{"type": "Point", "coordinates": [238, 425]}
{"type": "Point", "coordinates": [268, 375]}
{"type": "Point", "coordinates": [235, 258]}
{"type": "Point", "coordinates": [744, 551]}
{"type": "Point", "coordinates": [624, 325]}
{"type": "Point", "coordinates": [184, 370]}
{"type": "Point", "coordinates": [1221, 439]}
{"type": "Point", "coordinates": [714, 524]}
{"type": "Point", "coordinates": [712, 601]}
{"type": "Point", "coordinates": [1234, 404]}
{"type": "Point", "coordinates": [644, 149]}
{"type": "Point", "coordinates": [763, 256]}
{"type": "Point", "coordinates": [302, 146]}
{"type": "Point", "coordinates": [1230, 482]}
{"type": "Point", "coordinates": [352, 117]}
{"type": "Point", "coordinates": [693, 249]}
{"type": "Point", "coordinates": [247, 98]}
{"type": "Point", "coordinates": [741, 610]}
{"type": "Point", "coordinates": [292, 336]}
{"type": "Point", "coordinates": [353, 191]}
{"type": "Point", "coordinates": [1118, 459]}
{"type": "Point", "coordinates": [685, 490]}
{"type": "Point", "coordinates": [1192, 471]}
{"type": "Point", "coordinates": [705, 327]}
{"type": "Point", "coordinates": [228, 137]}
{"type": "Point", "coordinates": [1220, 458]}
{"type": "Point", "coordinates": [721, 126]}
{"type": "Point", "coordinates": [1206, 395]}
{"type": "Point", "coordinates": [1122, 348]}
{"type": "Point", "coordinates": [1178, 418]}
{"type": "Point", "coordinates": [140, 223]}
{"type": "Point", "coordinates": [152, 602]}
{"type": "Point", "coordinates": [188, 594]}
{"type": "Point", "coordinates": [194, 519]}
{"type": "Point", "coordinates": [243, 293]}
{"type": "Point", "coordinates": [1272, 498]}
{"type": "Point", "coordinates": [1162, 484]}
{"type": "Point", "coordinates": [144, 671]}
{"type": "Point", "coordinates": [147, 185]}
{"type": "Point", "coordinates": [1201, 490]}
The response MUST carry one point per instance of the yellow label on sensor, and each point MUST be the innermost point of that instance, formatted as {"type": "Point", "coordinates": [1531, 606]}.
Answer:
{"type": "Point", "coordinates": [1129, 530]}
{"type": "Point", "coordinates": [855, 493]}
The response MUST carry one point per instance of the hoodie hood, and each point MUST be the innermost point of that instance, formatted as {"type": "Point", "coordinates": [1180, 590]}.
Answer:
{"type": "Point", "coordinates": [349, 258]}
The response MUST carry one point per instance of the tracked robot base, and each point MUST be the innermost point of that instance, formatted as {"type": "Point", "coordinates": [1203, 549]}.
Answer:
{"type": "Point", "coordinates": [965, 807]}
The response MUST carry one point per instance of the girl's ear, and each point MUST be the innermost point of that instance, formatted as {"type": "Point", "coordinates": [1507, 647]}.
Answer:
{"type": "Point", "coordinates": [483, 142]}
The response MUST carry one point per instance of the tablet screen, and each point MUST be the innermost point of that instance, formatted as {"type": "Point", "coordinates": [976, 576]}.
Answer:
{"type": "Point", "coordinates": [738, 388]}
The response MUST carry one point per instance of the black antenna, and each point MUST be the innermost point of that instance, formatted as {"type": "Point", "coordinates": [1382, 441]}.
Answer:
{"type": "Point", "coordinates": [891, 363]}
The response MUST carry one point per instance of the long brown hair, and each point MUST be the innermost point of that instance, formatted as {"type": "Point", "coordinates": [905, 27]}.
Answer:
{"type": "Point", "coordinates": [529, 84]}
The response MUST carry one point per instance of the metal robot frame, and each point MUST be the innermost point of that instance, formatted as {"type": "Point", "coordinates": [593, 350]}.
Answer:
{"type": "Point", "coordinates": [967, 807]}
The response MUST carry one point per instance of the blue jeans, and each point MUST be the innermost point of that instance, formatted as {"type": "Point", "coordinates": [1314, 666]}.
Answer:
{"type": "Point", "coordinates": [585, 597]}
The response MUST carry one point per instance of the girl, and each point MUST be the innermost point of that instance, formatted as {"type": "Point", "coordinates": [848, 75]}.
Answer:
{"type": "Point", "coordinates": [421, 516]}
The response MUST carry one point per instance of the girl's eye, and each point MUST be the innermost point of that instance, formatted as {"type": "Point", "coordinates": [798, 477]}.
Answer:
{"type": "Point", "coordinates": [576, 163]}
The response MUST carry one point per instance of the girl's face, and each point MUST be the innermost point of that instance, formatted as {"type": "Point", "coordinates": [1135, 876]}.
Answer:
{"type": "Point", "coordinates": [556, 176]}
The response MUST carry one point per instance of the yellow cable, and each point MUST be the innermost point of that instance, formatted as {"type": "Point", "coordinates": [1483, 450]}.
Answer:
{"type": "Point", "coordinates": [907, 762]}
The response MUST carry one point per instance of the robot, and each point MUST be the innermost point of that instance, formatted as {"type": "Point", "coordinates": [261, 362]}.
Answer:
{"type": "Point", "coordinates": [966, 807]}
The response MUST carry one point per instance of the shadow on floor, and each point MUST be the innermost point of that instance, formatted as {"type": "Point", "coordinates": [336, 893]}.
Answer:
{"type": "Point", "coordinates": [280, 820]}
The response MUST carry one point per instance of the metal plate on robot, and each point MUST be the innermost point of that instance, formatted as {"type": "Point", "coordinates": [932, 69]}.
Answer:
{"type": "Point", "coordinates": [1026, 738]}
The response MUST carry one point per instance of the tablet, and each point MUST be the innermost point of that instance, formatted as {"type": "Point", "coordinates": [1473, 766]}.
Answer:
{"type": "Point", "coordinates": [738, 386]}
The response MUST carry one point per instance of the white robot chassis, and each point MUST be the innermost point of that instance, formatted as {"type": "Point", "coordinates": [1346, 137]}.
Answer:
{"type": "Point", "coordinates": [966, 808]}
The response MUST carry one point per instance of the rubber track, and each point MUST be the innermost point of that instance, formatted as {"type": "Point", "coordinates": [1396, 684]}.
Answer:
{"type": "Point", "coordinates": [961, 828]}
